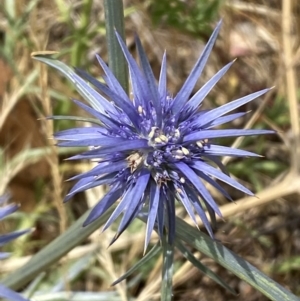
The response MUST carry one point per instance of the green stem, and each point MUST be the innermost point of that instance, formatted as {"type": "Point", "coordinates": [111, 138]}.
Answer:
{"type": "Point", "coordinates": [80, 46]}
{"type": "Point", "coordinates": [114, 15]}
{"type": "Point", "coordinates": [167, 270]}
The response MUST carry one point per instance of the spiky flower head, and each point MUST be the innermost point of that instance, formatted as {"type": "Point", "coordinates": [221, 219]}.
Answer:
{"type": "Point", "coordinates": [154, 149]}
{"type": "Point", "coordinates": [6, 238]}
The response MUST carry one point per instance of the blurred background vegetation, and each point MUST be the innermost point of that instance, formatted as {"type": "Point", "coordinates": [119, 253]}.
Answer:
{"type": "Point", "coordinates": [262, 34]}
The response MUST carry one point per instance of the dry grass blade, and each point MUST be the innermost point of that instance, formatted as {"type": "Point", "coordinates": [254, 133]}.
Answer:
{"type": "Point", "coordinates": [106, 260]}
{"type": "Point", "coordinates": [124, 242]}
{"type": "Point", "coordinates": [249, 125]}
{"type": "Point", "coordinates": [9, 102]}
{"type": "Point", "coordinates": [291, 86]}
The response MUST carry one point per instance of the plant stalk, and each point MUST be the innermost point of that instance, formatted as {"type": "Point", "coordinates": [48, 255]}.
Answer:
{"type": "Point", "coordinates": [114, 15]}
{"type": "Point", "coordinates": [167, 270]}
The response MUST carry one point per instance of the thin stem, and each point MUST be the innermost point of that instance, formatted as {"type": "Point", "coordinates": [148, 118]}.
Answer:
{"type": "Point", "coordinates": [291, 86]}
{"type": "Point", "coordinates": [114, 15]}
{"type": "Point", "coordinates": [167, 270]}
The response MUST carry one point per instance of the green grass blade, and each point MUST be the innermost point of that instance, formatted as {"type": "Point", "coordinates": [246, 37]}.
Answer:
{"type": "Point", "coordinates": [68, 73]}
{"type": "Point", "coordinates": [167, 270]}
{"type": "Point", "coordinates": [205, 270]}
{"type": "Point", "coordinates": [79, 296]}
{"type": "Point", "coordinates": [73, 271]}
{"type": "Point", "coordinates": [152, 253]}
{"type": "Point", "coordinates": [54, 251]}
{"type": "Point", "coordinates": [75, 118]}
{"type": "Point", "coordinates": [114, 17]}
{"type": "Point", "coordinates": [232, 262]}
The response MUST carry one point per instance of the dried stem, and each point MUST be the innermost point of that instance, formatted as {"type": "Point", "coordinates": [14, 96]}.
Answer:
{"type": "Point", "coordinates": [291, 83]}
{"type": "Point", "coordinates": [52, 158]}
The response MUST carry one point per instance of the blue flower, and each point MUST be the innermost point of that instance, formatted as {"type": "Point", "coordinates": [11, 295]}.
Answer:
{"type": "Point", "coordinates": [155, 149]}
{"type": "Point", "coordinates": [4, 239]}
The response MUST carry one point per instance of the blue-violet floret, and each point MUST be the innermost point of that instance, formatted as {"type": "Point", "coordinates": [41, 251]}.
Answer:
{"type": "Point", "coordinates": [6, 210]}
{"type": "Point", "coordinates": [153, 149]}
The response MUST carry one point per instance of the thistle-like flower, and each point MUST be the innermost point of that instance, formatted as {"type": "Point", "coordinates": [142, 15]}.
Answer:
{"type": "Point", "coordinates": [154, 148]}
{"type": "Point", "coordinates": [4, 239]}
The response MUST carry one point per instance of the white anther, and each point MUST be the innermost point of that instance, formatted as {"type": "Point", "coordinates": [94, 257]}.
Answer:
{"type": "Point", "coordinates": [182, 180]}
{"type": "Point", "coordinates": [164, 138]}
{"type": "Point", "coordinates": [177, 133]}
{"type": "Point", "coordinates": [140, 109]}
{"type": "Point", "coordinates": [199, 143]}
{"type": "Point", "coordinates": [185, 151]}
{"type": "Point", "coordinates": [178, 157]}
{"type": "Point", "coordinates": [158, 140]}
{"type": "Point", "coordinates": [177, 152]}
{"type": "Point", "coordinates": [152, 133]}
{"type": "Point", "coordinates": [179, 190]}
